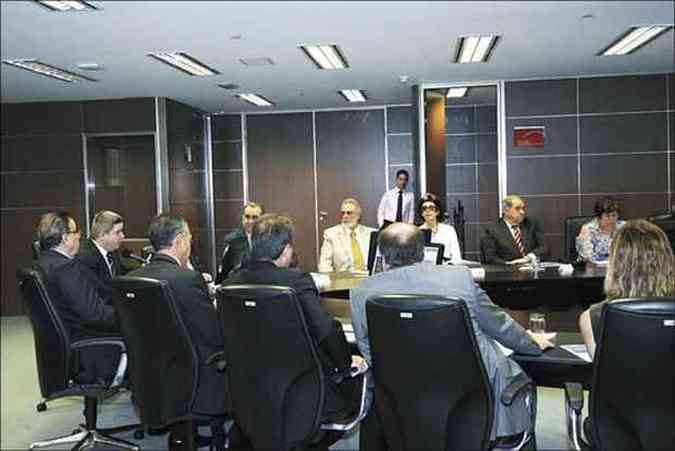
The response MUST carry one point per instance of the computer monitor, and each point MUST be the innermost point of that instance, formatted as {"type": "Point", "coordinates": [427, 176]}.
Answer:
{"type": "Point", "coordinates": [373, 251]}
{"type": "Point", "coordinates": [433, 253]}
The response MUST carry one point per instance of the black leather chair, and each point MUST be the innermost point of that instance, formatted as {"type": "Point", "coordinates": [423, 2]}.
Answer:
{"type": "Point", "coordinates": [431, 389]}
{"type": "Point", "coordinates": [55, 357]}
{"type": "Point", "coordinates": [35, 249]}
{"type": "Point", "coordinates": [276, 379]}
{"type": "Point", "coordinates": [572, 227]}
{"type": "Point", "coordinates": [163, 361]}
{"type": "Point", "coordinates": [632, 399]}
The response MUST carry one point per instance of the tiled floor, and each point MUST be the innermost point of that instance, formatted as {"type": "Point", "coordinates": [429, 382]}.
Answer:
{"type": "Point", "coordinates": [21, 424]}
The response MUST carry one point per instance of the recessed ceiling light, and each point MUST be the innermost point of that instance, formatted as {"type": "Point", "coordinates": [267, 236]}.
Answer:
{"type": "Point", "coordinates": [57, 5]}
{"type": "Point", "coordinates": [91, 66]}
{"type": "Point", "coordinates": [456, 92]}
{"type": "Point", "coordinates": [47, 70]}
{"type": "Point", "coordinates": [325, 56]}
{"type": "Point", "coordinates": [184, 63]}
{"type": "Point", "coordinates": [475, 49]}
{"type": "Point", "coordinates": [353, 95]}
{"type": "Point", "coordinates": [255, 99]}
{"type": "Point", "coordinates": [633, 39]}
{"type": "Point", "coordinates": [263, 61]}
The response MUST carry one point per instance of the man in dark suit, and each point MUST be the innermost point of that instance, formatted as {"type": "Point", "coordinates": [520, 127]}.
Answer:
{"type": "Point", "coordinates": [59, 241]}
{"type": "Point", "coordinates": [170, 236]}
{"type": "Point", "coordinates": [238, 243]}
{"type": "Point", "coordinates": [514, 238]}
{"type": "Point", "coordinates": [271, 256]}
{"type": "Point", "coordinates": [101, 251]}
{"type": "Point", "coordinates": [77, 294]}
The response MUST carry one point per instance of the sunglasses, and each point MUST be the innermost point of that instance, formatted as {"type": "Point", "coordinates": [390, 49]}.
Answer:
{"type": "Point", "coordinates": [429, 207]}
{"type": "Point", "coordinates": [347, 213]}
{"type": "Point", "coordinates": [251, 217]}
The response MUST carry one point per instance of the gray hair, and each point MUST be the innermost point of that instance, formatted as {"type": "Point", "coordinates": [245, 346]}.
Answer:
{"type": "Point", "coordinates": [401, 244]}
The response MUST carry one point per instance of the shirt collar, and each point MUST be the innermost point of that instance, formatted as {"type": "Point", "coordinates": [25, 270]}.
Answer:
{"type": "Point", "coordinates": [100, 249]}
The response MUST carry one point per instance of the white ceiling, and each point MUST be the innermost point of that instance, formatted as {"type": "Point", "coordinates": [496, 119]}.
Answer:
{"type": "Point", "coordinates": [381, 40]}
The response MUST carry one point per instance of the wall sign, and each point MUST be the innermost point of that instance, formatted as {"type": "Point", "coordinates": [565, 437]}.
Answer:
{"type": "Point", "coordinates": [531, 136]}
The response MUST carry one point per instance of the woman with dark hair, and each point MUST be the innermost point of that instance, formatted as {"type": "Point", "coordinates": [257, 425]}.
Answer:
{"type": "Point", "coordinates": [431, 210]}
{"type": "Point", "coordinates": [641, 264]}
{"type": "Point", "coordinates": [595, 237]}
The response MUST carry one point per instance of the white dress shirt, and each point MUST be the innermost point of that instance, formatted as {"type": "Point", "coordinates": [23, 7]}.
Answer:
{"type": "Point", "coordinates": [447, 236]}
{"type": "Point", "coordinates": [388, 204]}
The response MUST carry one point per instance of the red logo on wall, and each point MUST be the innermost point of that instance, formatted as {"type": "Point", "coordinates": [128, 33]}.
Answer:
{"type": "Point", "coordinates": [529, 136]}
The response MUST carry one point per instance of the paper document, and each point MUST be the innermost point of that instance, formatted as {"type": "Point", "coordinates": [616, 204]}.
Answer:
{"type": "Point", "coordinates": [320, 280]}
{"type": "Point", "coordinates": [351, 338]}
{"type": "Point", "coordinates": [579, 351]}
{"type": "Point", "coordinates": [506, 351]}
{"type": "Point", "coordinates": [549, 264]}
{"type": "Point", "coordinates": [346, 327]}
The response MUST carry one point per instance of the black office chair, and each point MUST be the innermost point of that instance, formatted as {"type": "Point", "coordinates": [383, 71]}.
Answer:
{"type": "Point", "coordinates": [632, 399]}
{"type": "Point", "coordinates": [163, 361]}
{"type": "Point", "coordinates": [275, 375]}
{"type": "Point", "coordinates": [572, 227]}
{"type": "Point", "coordinates": [431, 388]}
{"type": "Point", "coordinates": [57, 373]}
{"type": "Point", "coordinates": [35, 250]}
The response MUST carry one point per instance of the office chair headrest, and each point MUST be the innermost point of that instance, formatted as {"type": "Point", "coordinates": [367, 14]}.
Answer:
{"type": "Point", "coordinates": [644, 306]}
{"type": "Point", "coordinates": [414, 302]}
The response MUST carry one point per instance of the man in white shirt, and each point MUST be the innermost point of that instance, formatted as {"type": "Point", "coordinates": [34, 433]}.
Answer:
{"type": "Point", "coordinates": [345, 246]}
{"type": "Point", "coordinates": [397, 204]}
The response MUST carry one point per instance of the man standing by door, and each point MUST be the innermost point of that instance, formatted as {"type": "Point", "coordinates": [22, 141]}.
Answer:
{"type": "Point", "coordinates": [397, 204]}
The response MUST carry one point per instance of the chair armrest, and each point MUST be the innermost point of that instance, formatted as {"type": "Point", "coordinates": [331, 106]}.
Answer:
{"type": "Point", "coordinates": [218, 358]}
{"type": "Point", "coordinates": [100, 341]}
{"type": "Point", "coordinates": [574, 402]}
{"type": "Point", "coordinates": [520, 383]}
{"type": "Point", "coordinates": [118, 378]}
{"type": "Point", "coordinates": [574, 396]}
{"type": "Point", "coordinates": [348, 424]}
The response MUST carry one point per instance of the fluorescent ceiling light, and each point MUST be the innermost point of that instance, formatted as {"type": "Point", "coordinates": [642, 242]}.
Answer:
{"type": "Point", "coordinates": [353, 95]}
{"type": "Point", "coordinates": [255, 99]}
{"type": "Point", "coordinates": [47, 70]}
{"type": "Point", "coordinates": [475, 49]}
{"type": "Point", "coordinates": [66, 5]}
{"type": "Point", "coordinates": [184, 62]}
{"type": "Point", "coordinates": [633, 39]}
{"type": "Point", "coordinates": [456, 92]}
{"type": "Point", "coordinates": [325, 56]}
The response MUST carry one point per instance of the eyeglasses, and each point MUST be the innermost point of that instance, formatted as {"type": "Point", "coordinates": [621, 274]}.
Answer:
{"type": "Point", "coordinates": [251, 217]}
{"type": "Point", "coordinates": [347, 213]}
{"type": "Point", "coordinates": [431, 207]}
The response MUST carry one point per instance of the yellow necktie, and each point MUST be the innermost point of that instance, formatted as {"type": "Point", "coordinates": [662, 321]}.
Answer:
{"type": "Point", "coordinates": [356, 253]}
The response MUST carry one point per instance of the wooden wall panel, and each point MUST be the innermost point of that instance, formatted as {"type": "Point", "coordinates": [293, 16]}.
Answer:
{"type": "Point", "coordinates": [281, 164]}
{"type": "Point", "coordinates": [350, 162]}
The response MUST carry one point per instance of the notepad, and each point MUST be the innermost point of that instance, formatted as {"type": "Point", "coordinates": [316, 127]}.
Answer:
{"type": "Point", "coordinates": [579, 351]}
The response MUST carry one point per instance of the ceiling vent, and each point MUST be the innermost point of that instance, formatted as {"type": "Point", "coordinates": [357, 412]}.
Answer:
{"type": "Point", "coordinates": [256, 61]}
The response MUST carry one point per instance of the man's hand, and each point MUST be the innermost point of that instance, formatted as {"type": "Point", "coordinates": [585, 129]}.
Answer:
{"type": "Point", "coordinates": [359, 365]}
{"type": "Point", "coordinates": [518, 261]}
{"type": "Point", "coordinates": [541, 341]}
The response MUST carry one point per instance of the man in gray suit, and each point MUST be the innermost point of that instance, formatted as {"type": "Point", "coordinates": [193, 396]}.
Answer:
{"type": "Point", "coordinates": [402, 246]}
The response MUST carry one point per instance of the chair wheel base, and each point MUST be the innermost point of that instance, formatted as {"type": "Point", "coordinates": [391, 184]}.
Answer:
{"type": "Point", "coordinates": [41, 407]}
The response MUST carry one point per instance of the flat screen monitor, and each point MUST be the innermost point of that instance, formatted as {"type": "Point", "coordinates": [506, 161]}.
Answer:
{"type": "Point", "coordinates": [668, 226]}
{"type": "Point", "coordinates": [433, 253]}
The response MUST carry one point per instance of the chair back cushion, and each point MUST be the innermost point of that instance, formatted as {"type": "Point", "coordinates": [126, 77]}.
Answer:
{"type": "Point", "coordinates": [162, 358]}
{"type": "Point", "coordinates": [52, 343]}
{"type": "Point", "coordinates": [572, 228]}
{"type": "Point", "coordinates": [633, 397]}
{"type": "Point", "coordinates": [275, 378]}
{"type": "Point", "coordinates": [431, 388]}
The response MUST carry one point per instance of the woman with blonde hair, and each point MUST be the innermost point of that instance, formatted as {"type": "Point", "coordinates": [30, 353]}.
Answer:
{"type": "Point", "coordinates": [641, 264]}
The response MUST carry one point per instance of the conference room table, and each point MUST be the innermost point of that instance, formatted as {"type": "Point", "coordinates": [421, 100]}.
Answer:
{"type": "Point", "coordinates": [514, 289]}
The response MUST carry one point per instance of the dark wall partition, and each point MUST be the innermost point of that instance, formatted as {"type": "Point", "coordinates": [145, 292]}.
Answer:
{"type": "Point", "coordinates": [42, 169]}
{"type": "Point", "coordinates": [604, 136]}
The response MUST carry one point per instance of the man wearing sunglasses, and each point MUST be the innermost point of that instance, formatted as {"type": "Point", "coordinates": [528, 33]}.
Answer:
{"type": "Point", "coordinates": [238, 243]}
{"type": "Point", "coordinates": [345, 246]}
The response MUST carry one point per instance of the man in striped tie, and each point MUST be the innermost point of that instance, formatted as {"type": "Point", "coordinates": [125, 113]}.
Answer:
{"type": "Point", "coordinates": [514, 238]}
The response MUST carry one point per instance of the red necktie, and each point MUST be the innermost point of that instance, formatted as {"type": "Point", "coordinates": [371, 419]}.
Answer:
{"type": "Point", "coordinates": [519, 240]}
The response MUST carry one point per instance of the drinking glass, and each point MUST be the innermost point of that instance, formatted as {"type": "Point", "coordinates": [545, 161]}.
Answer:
{"type": "Point", "coordinates": [537, 323]}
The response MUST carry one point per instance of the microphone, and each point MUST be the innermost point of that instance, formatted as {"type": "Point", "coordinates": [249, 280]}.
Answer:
{"type": "Point", "coordinates": [126, 253]}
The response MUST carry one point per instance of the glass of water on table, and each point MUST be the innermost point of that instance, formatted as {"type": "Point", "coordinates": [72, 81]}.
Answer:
{"type": "Point", "coordinates": [537, 323]}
